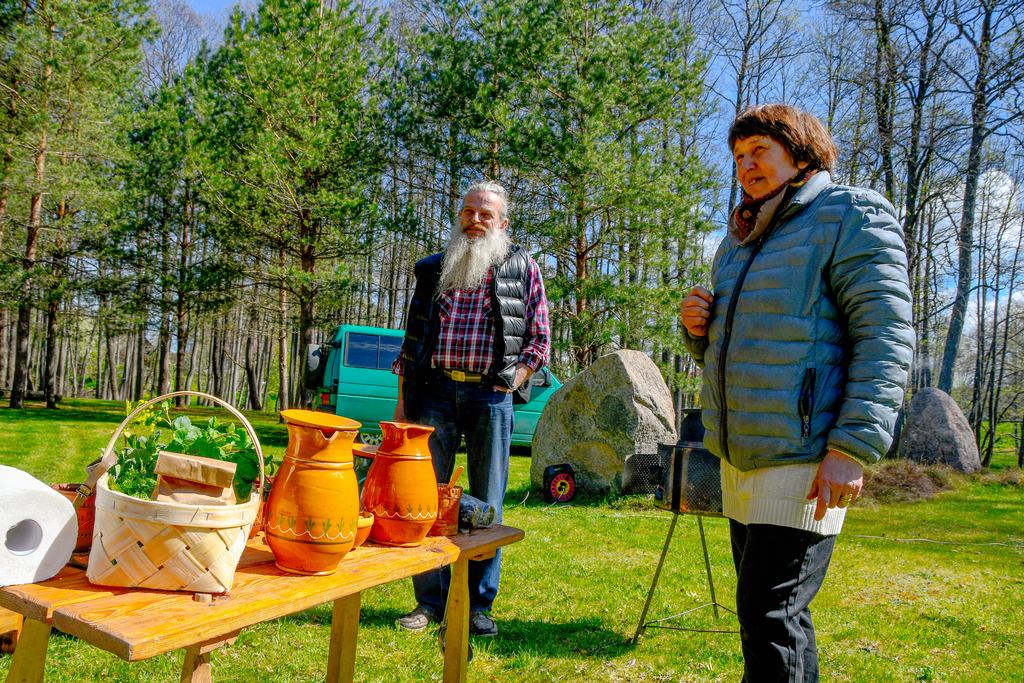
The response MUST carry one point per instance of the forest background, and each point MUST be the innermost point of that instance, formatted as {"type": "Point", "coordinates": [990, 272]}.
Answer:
{"type": "Point", "coordinates": [182, 207]}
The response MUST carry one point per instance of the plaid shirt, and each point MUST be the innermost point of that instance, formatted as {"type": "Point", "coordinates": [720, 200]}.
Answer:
{"type": "Point", "coordinates": [466, 337]}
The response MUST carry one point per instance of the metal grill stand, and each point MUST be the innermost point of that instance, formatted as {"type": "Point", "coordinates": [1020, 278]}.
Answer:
{"type": "Point", "coordinates": [642, 625]}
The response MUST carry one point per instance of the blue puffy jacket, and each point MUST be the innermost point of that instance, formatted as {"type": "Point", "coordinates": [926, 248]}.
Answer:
{"type": "Point", "coordinates": [810, 340]}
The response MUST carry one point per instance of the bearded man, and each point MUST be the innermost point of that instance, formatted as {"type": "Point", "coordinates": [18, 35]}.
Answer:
{"type": "Point", "coordinates": [477, 329]}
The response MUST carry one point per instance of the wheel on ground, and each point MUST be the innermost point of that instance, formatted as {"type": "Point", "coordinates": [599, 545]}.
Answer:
{"type": "Point", "coordinates": [371, 438]}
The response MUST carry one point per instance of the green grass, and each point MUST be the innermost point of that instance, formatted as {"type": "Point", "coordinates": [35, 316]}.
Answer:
{"type": "Point", "coordinates": [950, 608]}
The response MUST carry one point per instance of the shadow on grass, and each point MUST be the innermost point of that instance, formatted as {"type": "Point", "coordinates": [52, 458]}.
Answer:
{"type": "Point", "coordinates": [585, 637]}
{"type": "Point", "coordinates": [111, 413]}
{"type": "Point", "coordinates": [524, 495]}
{"type": "Point", "coordinates": [64, 414]}
{"type": "Point", "coordinates": [272, 436]}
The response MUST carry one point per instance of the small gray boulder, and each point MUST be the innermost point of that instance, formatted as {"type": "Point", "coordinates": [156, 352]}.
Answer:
{"type": "Point", "coordinates": [614, 409]}
{"type": "Point", "coordinates": [936, 431]}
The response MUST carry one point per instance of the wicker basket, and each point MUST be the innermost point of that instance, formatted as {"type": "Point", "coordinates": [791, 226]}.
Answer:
{"type": "Point", "coordinates": [166, 545]}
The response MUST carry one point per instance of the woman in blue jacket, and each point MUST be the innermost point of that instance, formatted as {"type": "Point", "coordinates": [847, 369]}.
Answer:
{"type": "Point", "coordinates": [806, 342]}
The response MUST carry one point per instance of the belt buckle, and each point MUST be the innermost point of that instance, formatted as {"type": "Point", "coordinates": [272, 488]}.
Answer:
{"type": "Point", "coordinates": [458, 375]}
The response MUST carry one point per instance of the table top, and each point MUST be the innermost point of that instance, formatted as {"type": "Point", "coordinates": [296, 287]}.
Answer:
{"type": "Point", "coordinates": [139, 623]}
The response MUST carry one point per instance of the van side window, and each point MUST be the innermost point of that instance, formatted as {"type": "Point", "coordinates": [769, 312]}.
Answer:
{"type": "Point", "coordinates": [361, 350]}
{"type": "Point", "coordinates": [390, 347]}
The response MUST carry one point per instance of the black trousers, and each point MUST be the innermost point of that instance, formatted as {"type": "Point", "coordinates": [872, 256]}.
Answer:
{"type": "Point", "coordinates": [779, 571]}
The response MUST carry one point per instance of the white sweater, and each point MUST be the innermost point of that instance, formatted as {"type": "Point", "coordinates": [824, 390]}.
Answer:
{"type": "Point", "coordinates": [776, 495]}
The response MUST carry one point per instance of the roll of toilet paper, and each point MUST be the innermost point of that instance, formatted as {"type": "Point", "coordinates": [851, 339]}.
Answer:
{"type": "Point", "coordinates": [38, 527]}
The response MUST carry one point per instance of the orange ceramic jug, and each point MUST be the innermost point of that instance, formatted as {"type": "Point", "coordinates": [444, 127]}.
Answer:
{"type": "Point", "coordinates": [313, 509]}
{"type": "Point", "coordinates": [400, 488]}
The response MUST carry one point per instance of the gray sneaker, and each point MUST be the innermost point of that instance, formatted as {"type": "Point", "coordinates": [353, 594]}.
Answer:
{"type": "Point", "coordinates": [418, 619]}
{"type": "Point", "coordinates": [482, 625]}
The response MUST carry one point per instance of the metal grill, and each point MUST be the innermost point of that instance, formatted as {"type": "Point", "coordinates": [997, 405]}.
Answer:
{"type": "Point", "coordinates": [691, 480]}
{"type": "Point", "coordinates": [642, 473]}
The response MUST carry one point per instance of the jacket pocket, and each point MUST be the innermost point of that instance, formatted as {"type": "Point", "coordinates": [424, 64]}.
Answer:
{"type": "Point", "coordinates": [806, 403]}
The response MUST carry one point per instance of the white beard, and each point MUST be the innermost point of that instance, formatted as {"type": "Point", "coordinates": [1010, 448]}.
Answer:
{"type": "Point", "coordinates": [466, 261]}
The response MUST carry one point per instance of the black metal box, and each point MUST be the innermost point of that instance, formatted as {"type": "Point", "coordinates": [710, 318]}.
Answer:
{"type": "Point", "coordinates": [691, 479]}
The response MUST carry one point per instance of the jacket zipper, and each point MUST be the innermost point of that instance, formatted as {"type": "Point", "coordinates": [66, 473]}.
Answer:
{"type": "Point", "coordinates": [727, 336]}
{"type": "Point", "coordinates": [806, 406]}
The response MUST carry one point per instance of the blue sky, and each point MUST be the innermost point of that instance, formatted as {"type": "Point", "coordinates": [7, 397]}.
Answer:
{"type": "Point", "coordinates": [211, 6]}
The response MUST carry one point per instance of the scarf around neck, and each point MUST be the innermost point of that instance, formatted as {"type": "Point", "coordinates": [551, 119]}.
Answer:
{"type": "Point", "coordinates": [751, 216]}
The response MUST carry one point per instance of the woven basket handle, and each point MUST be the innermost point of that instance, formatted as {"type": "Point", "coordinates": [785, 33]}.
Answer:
{"type": "Point", "coordinates": [110, 455]}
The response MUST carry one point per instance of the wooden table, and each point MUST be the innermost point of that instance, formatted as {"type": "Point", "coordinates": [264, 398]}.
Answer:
{"type": "Point", "coordinates": [136, 624]}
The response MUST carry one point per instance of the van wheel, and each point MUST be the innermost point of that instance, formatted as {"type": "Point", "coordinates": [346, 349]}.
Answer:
{"type": "Point", "coordinates": [371, 439]}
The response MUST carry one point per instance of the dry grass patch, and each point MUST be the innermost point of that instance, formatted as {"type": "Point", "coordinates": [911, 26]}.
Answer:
{"type": "Point", "coordinates": [894, 481]}
{"type": "Point", "coordinates": [1005, 477]}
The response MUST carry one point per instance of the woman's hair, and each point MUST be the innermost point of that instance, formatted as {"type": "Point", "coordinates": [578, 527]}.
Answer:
{"type": "Point", "coordinates": [801, 133]}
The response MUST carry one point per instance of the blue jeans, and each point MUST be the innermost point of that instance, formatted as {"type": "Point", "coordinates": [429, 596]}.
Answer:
{"type": "Point", "coordinates": [778, 572]}
{"type": "Point", "coordinates": [483, 415]}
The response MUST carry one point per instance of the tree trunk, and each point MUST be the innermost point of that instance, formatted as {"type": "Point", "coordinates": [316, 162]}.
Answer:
{"type": "Point", "coordinates": [282, 344]}
{"type": "Point", "coordinates": [35, 222]}
{"type": "Point", "coordinates": [163, 372]}
{"type": "Point", "coordinates": [979, 121]}
{"type": "Point", "coordinates": [50, 361]}
{"type": "Point", "coordinates": [307, 262]}
{"type": "Point", "coordinates": [112, 363]}
{"type": "Point", "coordinates": [252, 380]}
{"type": "Point", "coordinates": [140, 360]}
{"type": "Point", "coordinates": [884, 93]}
{"type": "Point", "coordinates": [180, 309]}
{"type": "Point", "coordinates": [98, 330]}
{"type": "Point", "coordinates": [182, 340]}
{"type": "Point", "coordinates": [8, 159]}
{"type": "Point", "coordinates": [216, 368]}
{"type": "Point", "coordinates": [1020, 446]}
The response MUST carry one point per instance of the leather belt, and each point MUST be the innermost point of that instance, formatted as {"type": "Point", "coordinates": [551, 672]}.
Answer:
{"type": "Point", "coordinates": [464, 376]}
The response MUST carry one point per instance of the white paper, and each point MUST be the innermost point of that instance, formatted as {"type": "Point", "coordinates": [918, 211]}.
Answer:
{"type": "Point", "coordinates": [38, 528]}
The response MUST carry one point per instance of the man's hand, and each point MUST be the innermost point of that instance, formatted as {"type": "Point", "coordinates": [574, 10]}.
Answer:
{"type": "Point", "coordinates": [399, 415]}
{"type": "Point", "coordinates": [523, 373]}
{"type": "Point", "coordinates": [695, 311]}
{"type": "Point", "coordinates": [838, 483]}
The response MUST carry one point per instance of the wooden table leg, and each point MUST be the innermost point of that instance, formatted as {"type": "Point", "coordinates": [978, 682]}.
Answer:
{"type": "Point", "coordinates": [29, 659]}
{"type": "Point", "coordinates": [341, 660]}
{"type": "Point", "coordinates": [196, 668]}
{"type": "Point", "coordinates": [456, 649]}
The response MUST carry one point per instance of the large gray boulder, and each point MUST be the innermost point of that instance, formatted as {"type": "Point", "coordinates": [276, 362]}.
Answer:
{"type": "Point", "coordinates": [613, 410]}
{"type": "Point", "coordinates": [936, 431]}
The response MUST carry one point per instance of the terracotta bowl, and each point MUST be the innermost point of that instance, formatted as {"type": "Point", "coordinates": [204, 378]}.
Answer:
{"type": "Point", "coordinates": [363, 529]}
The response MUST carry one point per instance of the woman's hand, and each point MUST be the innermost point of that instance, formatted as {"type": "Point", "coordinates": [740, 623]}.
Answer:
{"type": "Point", "coordinates": [695, 311]}
{"type": "Point", "coordinates": [838, 483]}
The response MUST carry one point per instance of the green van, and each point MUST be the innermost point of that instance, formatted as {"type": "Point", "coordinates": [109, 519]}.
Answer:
{"type": "Point", "coordinates": [357, 382]}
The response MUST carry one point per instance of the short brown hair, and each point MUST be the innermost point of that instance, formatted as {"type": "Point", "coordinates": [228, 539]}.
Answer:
{"type": "Point", "coordinates": [801, 133]}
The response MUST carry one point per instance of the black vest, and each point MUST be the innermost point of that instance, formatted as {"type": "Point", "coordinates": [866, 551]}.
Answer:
{"type": "Point", "coordinates": [508, 290]}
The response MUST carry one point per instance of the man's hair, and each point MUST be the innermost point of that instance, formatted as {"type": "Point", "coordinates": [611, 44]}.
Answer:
{"type": "Point", "coordinates": [801, 133]}
{"type": "Point", "coordinates": [490, 186]}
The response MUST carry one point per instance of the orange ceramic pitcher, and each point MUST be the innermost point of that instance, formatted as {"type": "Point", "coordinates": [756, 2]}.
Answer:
{"type": "Point", "coordinates": [400, 488]}
{"type": "Point", "coordinates": [313, 509]}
